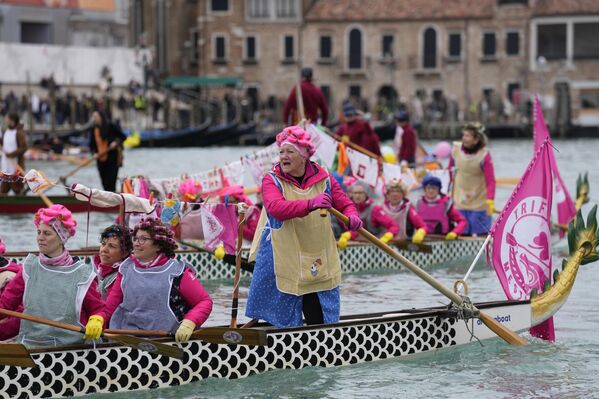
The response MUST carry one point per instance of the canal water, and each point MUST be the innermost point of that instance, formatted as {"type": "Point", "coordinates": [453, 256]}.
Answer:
{"type": "Point", "coordinates": [564, 369]}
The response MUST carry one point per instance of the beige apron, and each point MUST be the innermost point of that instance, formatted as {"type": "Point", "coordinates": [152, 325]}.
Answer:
{"type": "Point", "coordinates": [304, 249]}
{"type": "Point", "coordinates": [469, 187]}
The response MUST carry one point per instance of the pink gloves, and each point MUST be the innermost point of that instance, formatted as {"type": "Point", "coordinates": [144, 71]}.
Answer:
{"type": "Point", "coordinates": [355, 223]}
{"type": "Point", "coordinates": [322, 201]}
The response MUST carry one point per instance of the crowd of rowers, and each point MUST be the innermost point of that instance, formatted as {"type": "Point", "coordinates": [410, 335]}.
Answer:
{"type": "Point", "coordinates": [136, 282]}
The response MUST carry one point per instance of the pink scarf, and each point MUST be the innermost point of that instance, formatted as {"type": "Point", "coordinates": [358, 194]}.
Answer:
{"type": "Point", "coordinates": [63, 259]}
{"type": "Point", "coordinates": [104, 269]}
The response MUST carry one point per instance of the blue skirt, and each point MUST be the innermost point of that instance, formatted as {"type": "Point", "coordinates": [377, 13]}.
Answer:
{"type": "Point", "coordinates": [266, 302]}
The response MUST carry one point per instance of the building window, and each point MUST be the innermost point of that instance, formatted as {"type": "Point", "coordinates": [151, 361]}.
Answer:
{"type": "Point", "coordinates": [455, 45]}
{"type": "Point", "coordinates": [551, 41]}
{"type": "Point", "coordinates": [387, 46]}
{"type": "Point", "coordinates": [250, 49]}
{"type": "Point", "coordinates": [355, 49]}
{"type": "Point", "coordinates": [219, 5]}
{"type": "Point", "coordinates": [512, 43]}
{"type": "Point", "coordinates": [326, 47]}
{"type": "Point", "coordinates": [586, 44]}
{"type": "Point", "coordinates": [288, 50]}
{"type": "Point", "coordinates": [589, 99]}
{"type": "Point", "coordinates": [36, 33]}
{"type": "Point", "coordinates": [258, 9]}
{"type": "Point", "coordinates": [286, 8]}
{"type": "Point", "coordinates": [489, 45]}
{"type": "Point", "coordinates": [355, 92]}
{"type": "Point", "coordinates": [429, 59]}
{"type": "Point", "coordinates": [220, 49]}
{"type": "Point", "coordinates": [194, 53]}
{"type": "Point", "coordinates": [513, 92]}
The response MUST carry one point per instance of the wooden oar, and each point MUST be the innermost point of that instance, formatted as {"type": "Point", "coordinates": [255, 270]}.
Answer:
{"type": "Point", "coordinates": [507, 180]}
{"type": "Point", "coordinates": [41, 194]}
{"type": "Point", "coordinates": [135, 342]}
{"type": "Point", "coordinates": [213, 335]}
{"type": "Point", "coordinates": [241, 208]}
{"type": "Point", "coordinates": [499, 329]}
{"type": "Point", "coordinates": [15, 355]}
{"type": "Point", "coordinates": [111, 147]}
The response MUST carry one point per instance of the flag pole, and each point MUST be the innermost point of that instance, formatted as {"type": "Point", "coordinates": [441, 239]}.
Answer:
{"type": "Point", "coordinates": [476, 258]}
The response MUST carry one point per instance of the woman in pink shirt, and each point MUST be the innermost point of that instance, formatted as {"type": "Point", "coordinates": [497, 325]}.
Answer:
{"type": "Point", "coordinates": [9, 326]}
{"type": "Point", "coordinates": [398, 206]}
{"type": "Point", "coordinates": [51, 285]}
{"type": "Point", "coordinates": [115, 247]}
{"type": "Point", "coordinates": [153, 290]}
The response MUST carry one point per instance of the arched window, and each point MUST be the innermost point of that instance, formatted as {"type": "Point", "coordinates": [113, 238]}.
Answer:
{"type": "Point", "coordinates": [429, 51]}
{"type": "Point", "coordinates": [355, 49]}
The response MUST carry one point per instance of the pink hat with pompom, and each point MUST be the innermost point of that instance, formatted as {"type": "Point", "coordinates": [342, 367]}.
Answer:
{"type": "Point", "coordinates": [298, 138]}
{"type": "Point", "coordinates": [59, 218]}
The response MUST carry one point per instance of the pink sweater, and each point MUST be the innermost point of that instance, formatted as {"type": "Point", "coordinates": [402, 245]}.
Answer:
{"type": "Point", "coordinates": [191, 290]}
{"type": "Point", "coordinates": [12, 297]}
{"type": "Point", "coordinates": [488, 171]}
{"type": "Point", "coordinates": [283, 209]}
{"type": "Point", "coordinates": [9, 326]}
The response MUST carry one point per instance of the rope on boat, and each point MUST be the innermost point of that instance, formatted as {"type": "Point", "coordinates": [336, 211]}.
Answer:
{"type": "Point", "coordinates": [467, 312]}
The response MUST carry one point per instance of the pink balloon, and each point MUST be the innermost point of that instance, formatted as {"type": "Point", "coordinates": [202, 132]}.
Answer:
{"type": "Point", "coordinates": [442, 150]}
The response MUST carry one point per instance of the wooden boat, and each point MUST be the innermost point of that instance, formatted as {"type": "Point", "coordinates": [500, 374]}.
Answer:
{"type": "Point", "coordinates": [358, 257]}
{"type": "Point", "coordinates": [202, 136]}
{"type": "Point", "coordinates": [30, 204]}
{"type": "Point", "coordinates": [79, 370]}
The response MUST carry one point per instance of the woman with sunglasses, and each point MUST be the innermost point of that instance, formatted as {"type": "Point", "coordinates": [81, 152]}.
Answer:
{"type": "Point", "coordinates": [115, 247]}
{"type": "Point", "coordinates": [153, 290]}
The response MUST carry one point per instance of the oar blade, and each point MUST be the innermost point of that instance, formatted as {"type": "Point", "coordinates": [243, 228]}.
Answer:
{"type": "Point", "coordinates": [503, 332]}
{"type": "Point", "coordinates": [147, 345]}
{"type": "Point", "coordinates": [15, 355]}
{"type": "Point", "coordinates": [234, 336]}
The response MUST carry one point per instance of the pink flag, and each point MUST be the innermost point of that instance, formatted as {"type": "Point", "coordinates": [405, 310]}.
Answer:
{"type": "Point", "coordinates": [566, 209]}
{"type": "Point", "coordinates": [521, 234]}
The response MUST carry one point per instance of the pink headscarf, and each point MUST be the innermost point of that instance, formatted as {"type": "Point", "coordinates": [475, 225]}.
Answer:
{"type": "Point", "coordinates": [298, 138]}
{"type": "Point", "coordinates": [189, 190]}
{"type": "Point", "coordinates": [59, 218]}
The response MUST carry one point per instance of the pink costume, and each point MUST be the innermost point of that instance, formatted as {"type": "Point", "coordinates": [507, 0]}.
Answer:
{"type": "Point", "coordinates": [283, 209]}
{"type": "Point", "coordinates": [190, 289]}
{"type": "Point", "coordinates": [375, 220]}
{"type": "Point", "coordinates": [251, 222]}
{"type": "Point", "coordinates": [438, 215]}
{"type": "Point", "coordinates": [9, 326]}
{"type": "Point", "coordinates": [105, 275]}
{"type": "Point", "coordinates": [404, 216]}
{"type": "Point", "coordinates": [488, 171]}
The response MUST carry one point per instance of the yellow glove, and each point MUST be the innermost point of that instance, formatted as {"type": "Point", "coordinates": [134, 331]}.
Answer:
{"type": "Point", "coordinates": [418, 236]}
{"type": "Point", "coordinates": [387, 237]}
{"type": "Point", "coordinates": [93, 329]}
{"type": "Point", "coordinates": [185, 330]}
{"type": "Point", "coordinates": [219, 252]}
{"type": "Point", "coordinates": [490, 207]}
{"type": "Point", "coordinates": [345, 138]}
{"type": "Point", "coordinates": [343, 239]}
{"type": "Point", "coordinates": [451, 236]}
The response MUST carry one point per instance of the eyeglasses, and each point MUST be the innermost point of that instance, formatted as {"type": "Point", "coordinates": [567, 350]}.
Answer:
{"type": "Point", "coordinates": [142, 240]}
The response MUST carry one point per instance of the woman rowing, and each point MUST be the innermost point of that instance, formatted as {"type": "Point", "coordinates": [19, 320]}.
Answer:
{"type": "Point", "coordinates": [9, 326]}
{"type": "Point", "coordinates": [297, 265]}
{"type": "Point", "coordinates": [438, 212]}
{"type": "Point", "coordinates": [373, 217]}
{"type": "Point", "coordinates": [55, 285]}
{"type": "Point", "coordinates": [153, 290]}
{"type": "Point", "coordinates": [115, 247]}
{"type": "Point", "coordinates": [398, 206]}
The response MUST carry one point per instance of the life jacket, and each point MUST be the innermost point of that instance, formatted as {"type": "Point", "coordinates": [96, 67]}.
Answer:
{"type": "Point", "coordinates": [435, 215]}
